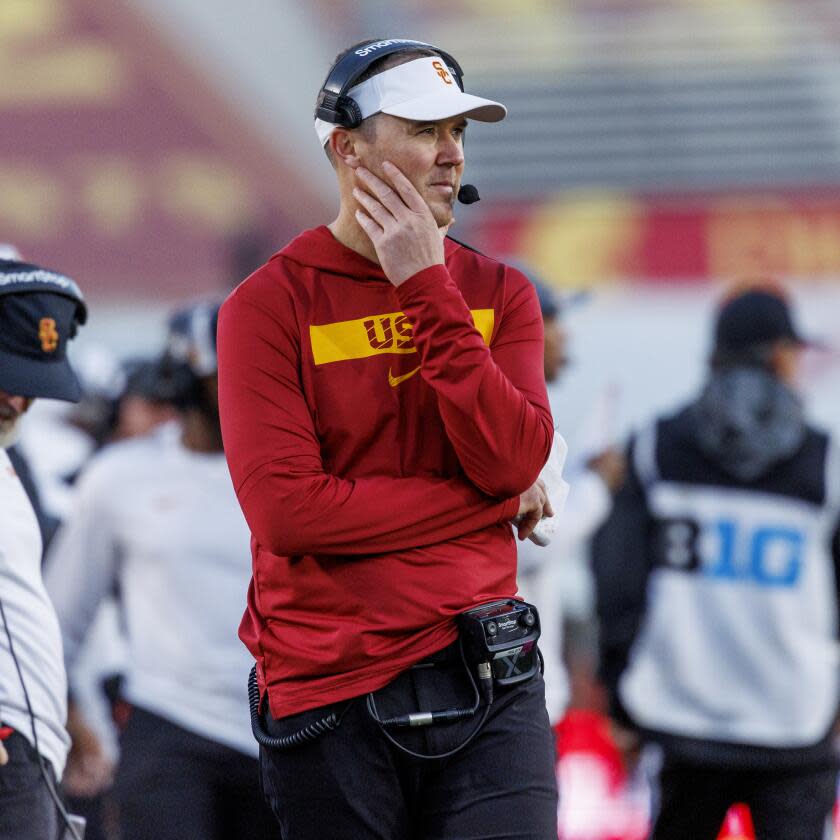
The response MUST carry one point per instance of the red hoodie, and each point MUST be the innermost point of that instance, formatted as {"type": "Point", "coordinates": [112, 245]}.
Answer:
{"type": "Point", "coordinates": [378, 449]}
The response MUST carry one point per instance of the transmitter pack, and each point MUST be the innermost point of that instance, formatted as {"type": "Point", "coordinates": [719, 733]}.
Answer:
{"type": "Point", "coordinates": [504, 634]}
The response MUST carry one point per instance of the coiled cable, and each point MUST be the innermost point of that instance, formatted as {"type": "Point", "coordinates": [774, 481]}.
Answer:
{"type": "Point", "coordinates": [284, 742]}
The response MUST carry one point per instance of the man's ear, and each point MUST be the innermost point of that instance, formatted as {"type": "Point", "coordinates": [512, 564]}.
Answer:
{"type": "Point", "coordinates": [342, 144]}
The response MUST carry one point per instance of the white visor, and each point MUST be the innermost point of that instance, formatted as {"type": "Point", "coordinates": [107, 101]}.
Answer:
{"type": "Point", "coordinates": [422, 90]}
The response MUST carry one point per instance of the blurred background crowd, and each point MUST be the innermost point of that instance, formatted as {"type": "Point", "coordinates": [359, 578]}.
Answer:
{"type": "Point", "coordinates": [656, 152]}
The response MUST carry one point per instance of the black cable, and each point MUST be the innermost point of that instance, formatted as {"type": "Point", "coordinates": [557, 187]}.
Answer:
{"type": "Point", "coordinates": [331, 721]}
{"type": "Point", "coordinates": [284, 742]}
{"type": "Point", "coordinates": [41, 761]}
{"type": "Point", "coordinates": [444, 716]}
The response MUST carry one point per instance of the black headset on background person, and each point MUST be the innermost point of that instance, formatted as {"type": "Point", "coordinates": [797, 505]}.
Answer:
{"type": "Point", "coordinates": [336, 107]}
{"type": "Point", "coordinates": [191, 332]}
{"type": "Point", "coordinates": [62, 285]}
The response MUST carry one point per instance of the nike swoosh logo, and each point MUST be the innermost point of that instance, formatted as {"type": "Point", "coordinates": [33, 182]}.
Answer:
{"type": "Point", "coordinates": [393, 381]}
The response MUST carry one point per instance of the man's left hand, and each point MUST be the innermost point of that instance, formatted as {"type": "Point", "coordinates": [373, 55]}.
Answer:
{"type": "Point", "coordinates": [533, 505]}
{"type": "Point", "coordinates": [399, 223]}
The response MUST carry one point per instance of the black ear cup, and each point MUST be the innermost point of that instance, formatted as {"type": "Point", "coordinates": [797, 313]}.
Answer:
{"type": "Point", "coordinates": [334, 106]}
{"type": "Point", "coordinates": [349, 113]}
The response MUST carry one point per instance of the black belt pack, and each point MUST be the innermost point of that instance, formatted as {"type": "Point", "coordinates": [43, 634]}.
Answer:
{"type": "Point", "coordinates": [503, 634]}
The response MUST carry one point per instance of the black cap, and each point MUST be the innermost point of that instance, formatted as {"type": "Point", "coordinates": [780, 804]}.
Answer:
{"type": "Point", "coordinates": [755, 318]}
{"type": "Point", "coordinates": [40, 311]}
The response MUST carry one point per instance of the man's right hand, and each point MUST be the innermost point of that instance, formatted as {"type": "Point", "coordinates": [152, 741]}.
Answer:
{"type": "Point", "coordinates": [398, 222]}
{"type": "Point", "coordinates": [534, 504]}
{"type": "Point", "coordinates": [88, 771]}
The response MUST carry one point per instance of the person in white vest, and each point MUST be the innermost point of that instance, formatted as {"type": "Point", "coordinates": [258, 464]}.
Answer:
{"type": "Point", "coordinates": [156, 519]}
{"type": "Point", "coordinates": [717, 580]}
{"type": "Point", "coordinates": [40, 311]}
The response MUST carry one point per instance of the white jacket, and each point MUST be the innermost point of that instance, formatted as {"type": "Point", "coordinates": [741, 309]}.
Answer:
{"type": "Point", "coordinates": [32, 624]}
{"type": "Point", "coordinates": [163, 524]}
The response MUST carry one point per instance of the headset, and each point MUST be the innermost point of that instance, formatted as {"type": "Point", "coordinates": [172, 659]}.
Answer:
{"type": "Point", "coordinates": [336, 107]}
{"type": "Point", "coordinates": [18, 277]}
{"type": "Point", "coordinates": [190, 355]}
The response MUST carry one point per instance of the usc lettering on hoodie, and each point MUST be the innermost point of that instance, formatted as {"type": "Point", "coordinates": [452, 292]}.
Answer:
{"type": "Point", "coordinates": [378, 439]}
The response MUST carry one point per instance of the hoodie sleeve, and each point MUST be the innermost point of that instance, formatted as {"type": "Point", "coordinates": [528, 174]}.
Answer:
{"type": "Point", "coordinates": [492, 399]}
{"type": "Point", "coordinates": [291, 504]}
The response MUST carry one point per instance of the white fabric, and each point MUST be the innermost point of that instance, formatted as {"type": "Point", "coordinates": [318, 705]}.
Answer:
{"type": "Point", "coordinates": [541, 587]}
{"type": "Point", "coordinates": [102, 655]}
{"type": "Point", "coordinates": [33, 627]}
{"type": "Point", "coordinates": [54, 449]}
{"type": "Point", "coordinates": [165, 523]}
{"type": "Point", "coordinates": [543, 577]}
{"type": "Point", "coordinates": [720, 654]}
{"type": "Point", "coordinates": [9, 252]}
{"type": "Point", "coordinates": [587, 506]}
{"type": "Point", "coordinates": [422, 90]}
{"type": "Point", "coordinates": [556, 578]}
{"type": "Point", "coordinates": [557, 489]}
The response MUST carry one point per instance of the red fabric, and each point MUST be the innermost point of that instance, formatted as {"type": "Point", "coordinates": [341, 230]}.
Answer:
{"type": "Point", "coordinates": [378, 500]}
{"type": "Point", "coordinates": [588, 732]}
{"type": "Point", "coordinates": [737, 824]}
{"type": "Point", "coordinates": [598, 799]}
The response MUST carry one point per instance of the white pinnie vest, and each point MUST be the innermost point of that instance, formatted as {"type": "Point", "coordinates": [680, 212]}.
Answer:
{"type": "Point", "coordinates": [739, 639]}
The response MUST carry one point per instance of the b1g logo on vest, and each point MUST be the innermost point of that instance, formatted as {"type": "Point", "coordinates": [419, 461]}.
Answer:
{"type": "Point", "coordinates": [769, 555]}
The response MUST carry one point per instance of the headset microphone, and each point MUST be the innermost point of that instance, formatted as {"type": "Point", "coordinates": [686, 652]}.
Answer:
{"type": "Point", "coordinates": [468, 194]}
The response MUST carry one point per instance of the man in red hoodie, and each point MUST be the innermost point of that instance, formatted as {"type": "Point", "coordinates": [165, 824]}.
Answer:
{"type": "Point", "coordinates": [385, 419]}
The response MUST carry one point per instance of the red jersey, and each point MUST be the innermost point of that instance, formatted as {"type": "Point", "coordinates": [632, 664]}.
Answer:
{"type": "Point", "coordinates": [378, 439]}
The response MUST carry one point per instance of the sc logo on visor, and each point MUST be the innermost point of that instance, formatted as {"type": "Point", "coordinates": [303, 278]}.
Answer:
{"type": "Point", "coordinates": [442, 72]}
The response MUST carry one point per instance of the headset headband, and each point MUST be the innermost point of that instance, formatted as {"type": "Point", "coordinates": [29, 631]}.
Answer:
{"type": "Point", "coordinates": [334, 106]}
{"type": "Point", "coordinates": [18, 277]}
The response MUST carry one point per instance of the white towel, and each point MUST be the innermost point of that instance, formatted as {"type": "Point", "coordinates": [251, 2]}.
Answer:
{"type": "Point", "coordinates": [557, 489]}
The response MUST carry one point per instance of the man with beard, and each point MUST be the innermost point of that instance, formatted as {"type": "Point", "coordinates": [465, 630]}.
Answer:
{"type": "Point", "coordinates": [40, 311]}
{"type": "Point", "coordinates": [155, 519]}
{"type": "Point", "coordinates": [717, 583]}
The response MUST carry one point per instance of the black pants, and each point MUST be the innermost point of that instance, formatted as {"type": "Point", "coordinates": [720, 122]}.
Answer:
{"type": "Point", "coordinates": [352, 784]}
{"type": "Point", "coordinates": [174, 785]}
{"type": "Point", "coordinates": [26, 808]}
{"type": "Point", "coordinates": [785, 804]}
